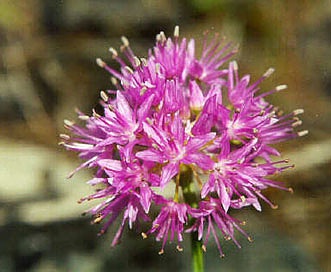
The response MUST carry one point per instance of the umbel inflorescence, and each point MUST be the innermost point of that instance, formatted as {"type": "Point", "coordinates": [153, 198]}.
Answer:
{"type": "Point", "coordinates": [185, 124]}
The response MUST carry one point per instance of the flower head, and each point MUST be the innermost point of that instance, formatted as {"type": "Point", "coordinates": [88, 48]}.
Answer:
{"type": "Point", "coordinates": [194, 123]}
{"type": "Point", "coordinates": [171, 220]}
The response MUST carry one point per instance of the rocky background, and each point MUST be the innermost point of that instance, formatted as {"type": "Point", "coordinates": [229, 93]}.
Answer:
{"type": "Point", "coordinates": [47, 68]}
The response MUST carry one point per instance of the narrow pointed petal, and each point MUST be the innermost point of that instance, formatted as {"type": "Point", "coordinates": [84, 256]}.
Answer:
{"type": "Point", "coordinates": [168, 172]}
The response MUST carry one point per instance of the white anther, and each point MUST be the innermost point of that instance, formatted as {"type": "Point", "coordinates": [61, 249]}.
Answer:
{"type": "Point", "coordinates": [104, 96]}
{"type": "Point", "coordinates": [128, 69]}
{"type": "Point", "coordinates": [297, 123]}
{"type": "Point", "coordinates": [84, 117]}
{"type": "Point", "coordinates": [281, 87]}
{"type": "Point", "coordinates": [302, 133]}
{"type": "Point", "coordinates": [269, 72]}
{"type": "Point", "coordinates": [113, 51]}
{"type": "Point", "coordinates": [179, 248]}
{"type": "Point", "coordinates": [136, 61]}
{"type": "Point", "coordinates": [65, 137]}
{"type": "Point", "coordinates": [235, 65]}
{"type": "Point", "coordinates": [144, 61]}
{"type": "Point", "coordinates": [298, 111]}
{"type": "Point", "coordinates": [125, 41]}
{"type": "Point", "coordinates": [176, 32]}
{"type": "Point", "coordinates": [143, 90]}
{"type": "Point", "coordinates": [113, 80]}
{"type": "Point", "coordinates": [95, 114]}
{"type": "Point", "coordinates": [68, 123]}
{"type": "Point", "coordinates": [101, 63]}
{"type": "Point", "coordinates": [157, 68]}
{"type": "Point", "coordinates": [161, 37]}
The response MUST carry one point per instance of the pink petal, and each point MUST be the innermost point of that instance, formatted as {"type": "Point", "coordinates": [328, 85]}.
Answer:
{"type": "Point", "coordinates": [150, 155]}
{"type": "Point", "coordinates": [168, 172]}
{"type": "Point", "coordinates": [145, 108]}
{"type": "Point", "coordinates": [123, 106]}
{"type": "Point", "coordinates": [109, 164]}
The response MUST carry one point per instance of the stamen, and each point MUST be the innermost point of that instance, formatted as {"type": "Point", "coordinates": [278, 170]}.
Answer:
{"type": "Point", "coordinates": [65, 137]}
{"type": "Point", "coordinates": [161, 252]}
{"type": "Point", "coordinates": [143, 90]}
{"type": "Point", "coordinates": [128, 69]}
{"type": "Point", "coordinates": [281, 87]}
{"type": "Point", "coordinates": [227, 238]}
{"type": "Point", "coordinates": [104, 96]}
{"type": "Point", "coordinates": [155, 146]}
{"type": "Point", "coordinates": [125, 41]}
{"type": "Point", "coordinates": [155, 226]}
{"type": "Point", "coordinates": [277, 89]}
{"type": "Point", "coordinates": [68, 123]}
{"type": "Point", "coordinates": [158, 68]}
{"type": "Point", "coordinates": [144, 61]}
{"type": "Point", "coordinates": [302, 133]}
{"type": "Point", "coordinates": [101, 63]}
{"type": "Point", "coordinates": [235, 65]}
{"type": "Point", "coordinates": [290, 190]}
{"type": "Point", "coordinates": [144, 235]}
{"type": "Point", "coordinates": [84, 117]}
{"type": "Point", "coordinates": [204, 249]}
{"type": "Point", "coordinates": [161, 37]}
{"type": "Point", "coordinates": [113, 51]}
{"type": "Point", "coordinates": [113, 81]}
{"type": "Point", "coordinates": [95, 114]}
{"type": "Point", "coordinates": [97, 220]}
{"type": "Point", "coordinates": [250, 239]}
{"type": "Point", "coordinates": [297, 123]}
{"type": "Point", "coordinates": [298, 111]}
{"type": "Point", "coordinates": [176, 32]}
{"type": "Point", "coordinates": [150, 121]}
{"type": "Point", "coordinates": [269, 72]}
{"type": "Point", "coordinates": [179, 248]}
{"type": "Point", "coordinates": [136, 61]}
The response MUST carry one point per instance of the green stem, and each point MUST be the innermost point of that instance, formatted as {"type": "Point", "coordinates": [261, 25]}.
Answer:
{"type": "Point", "coordinates": [187, 184]}
{"type": "Point", "coordinates": [197, 254]}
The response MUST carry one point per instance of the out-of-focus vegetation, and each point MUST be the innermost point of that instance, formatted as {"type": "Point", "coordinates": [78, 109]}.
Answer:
{"type": "Point", "coordinates": [47, 68]}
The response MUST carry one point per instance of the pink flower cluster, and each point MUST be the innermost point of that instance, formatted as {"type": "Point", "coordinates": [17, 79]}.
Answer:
{"type": "Point", "coordinates": [186, 125]}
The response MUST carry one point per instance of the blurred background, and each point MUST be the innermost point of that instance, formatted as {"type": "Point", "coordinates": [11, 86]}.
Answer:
{"type": "Point", "coordinates": [47, 68]}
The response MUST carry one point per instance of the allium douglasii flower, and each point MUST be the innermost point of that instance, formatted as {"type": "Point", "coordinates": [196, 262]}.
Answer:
{"type": "Point", "coordinates": [194, 123]}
